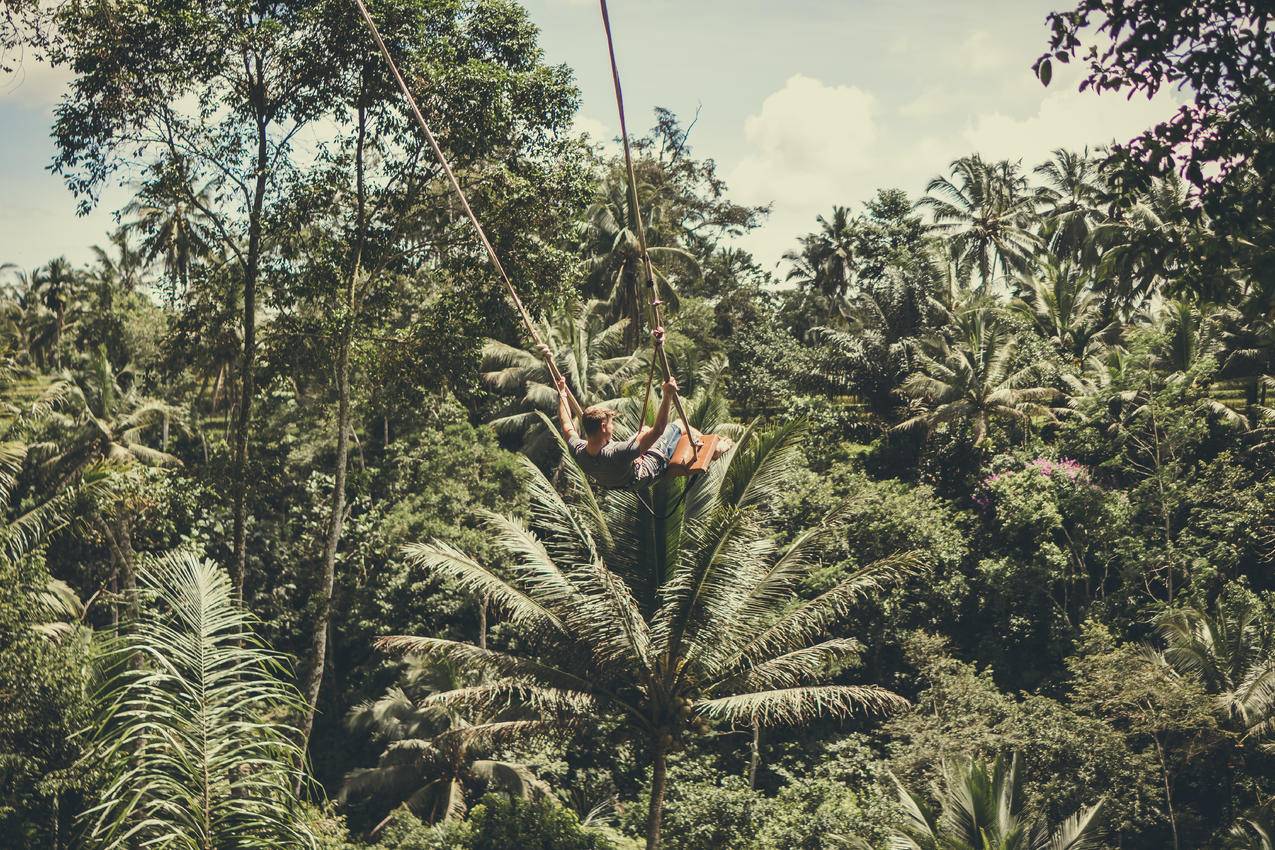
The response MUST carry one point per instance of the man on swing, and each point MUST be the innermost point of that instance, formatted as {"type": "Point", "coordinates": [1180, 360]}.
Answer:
{"type": "Point", "coordinates": [636, 462]}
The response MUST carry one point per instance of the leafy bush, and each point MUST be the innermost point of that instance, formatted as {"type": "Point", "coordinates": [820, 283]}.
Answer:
{"type": "Point", "coordinates": [705, 813]}
{"type": "Point", "coordinates": [844, 800]}
{"type": "Point", "coordinates": [42, 706]}
{"type": "Point", "coordinates": [499, 822]}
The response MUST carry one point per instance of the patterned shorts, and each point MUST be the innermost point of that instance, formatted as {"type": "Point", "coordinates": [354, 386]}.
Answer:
{"type": "Point", "coordinates": [651, 465]}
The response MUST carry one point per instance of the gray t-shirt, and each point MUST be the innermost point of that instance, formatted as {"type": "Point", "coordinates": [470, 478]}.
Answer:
{"type": "Point", "coordinates": [612, 467]}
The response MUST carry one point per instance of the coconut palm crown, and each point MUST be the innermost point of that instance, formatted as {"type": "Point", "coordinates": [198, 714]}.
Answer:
{"type": "Point", "coordinates": [1231, 650]}
{"type": "Point", "coordinates": [981, 806]}
{"type": "Point", "coordinates": [972, 380]}
{"type": "Point", "coordinates": [434, 754]}
{"type": "Point", "coordinates": [668, 617]}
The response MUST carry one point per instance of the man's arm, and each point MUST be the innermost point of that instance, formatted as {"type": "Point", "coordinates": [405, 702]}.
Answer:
{"type": "Point", "coordinates": [564, 411]}
{"type": "Point", "coordinates": [647, 437]}
{"type": "Point", "coordinates": [565, 421]}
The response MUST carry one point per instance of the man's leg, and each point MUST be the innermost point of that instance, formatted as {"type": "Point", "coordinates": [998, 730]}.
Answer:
{"type": "Point", "coordinates": [724, 444]}
{"type": "Point", "coordinates": [667, 444]}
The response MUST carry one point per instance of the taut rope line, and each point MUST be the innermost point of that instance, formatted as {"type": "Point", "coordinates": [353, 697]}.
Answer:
{"type": "Point", "coordinates": [656, 305]}
{"type": "Point", "coordinates": [464, 202]}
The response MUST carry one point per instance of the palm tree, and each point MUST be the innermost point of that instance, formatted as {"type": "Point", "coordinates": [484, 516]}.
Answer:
{"type": "Point", "coordinates": [1061, 302]}
{"type": "Point", "coordinates": [825, 261]}
{"type": "Point", "coordinates": [1191, 333]}
{"type": "Point", "coordinates": [25, 407]}
{"type": "Point", "coordinates": [971, 379]}
{"type": "Point", "coordinates": [981, 806]}
{"type": "Point", "coordinates": [188, 736]}
{"type": "Point", "coordinates": [114, 421]}
{"type": "Point", "coordinates": [1231, 651]}
{"type": "Point", "coordinates": [13, 342]}
{"type": "Point", "coordinates": [986, 212]}
{"type": "Point", "coordinates": [667, 618]}
{"type": "Point", "coordinates": [613, 268]}
{"type": "Point", "coordinates": [122, 271]}
{"type": "Point", "coordinates": [876, 352]}
{"type": "Point", "coordinates": [1249, 352]}
{"type": "Point", "coordinates": [176, 228]}
{"type": "Point", "coordinates": [1114, 366]}
{"type": "Point", "coordinates": [592, 356]}
{"type": "Point", "coordinates": [49, 298]}
{"type": "Point", "coordinates": [1070, 202]}
{"type": "Point", "coordinates": [111, 427]}
{"type": "Point", "coordinates": [1145, 242]}
{"type": "Point", "coordinates": [433, 753]}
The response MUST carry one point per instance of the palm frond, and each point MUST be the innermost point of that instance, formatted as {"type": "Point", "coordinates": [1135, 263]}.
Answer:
{"type": "Point", "coordinates": [762, 465]}
{"type": "Point", "coordinates": [806, 620]}
{"type": "Point", "coordinates": [188, 758]}
{"type": "Point", "coordinates": [1078, 832]}
{"type": "Point", "coordinates": [499, 663]}
{"type": "Point", "coordinates": [512, 778]}
{"type": "Point", "coordinates": [794, 706]}
{"type": "Point", "coordinates": [445, 560]}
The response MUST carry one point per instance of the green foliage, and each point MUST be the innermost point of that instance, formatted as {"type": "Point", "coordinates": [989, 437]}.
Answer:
{"type": "Point", "coordinates": [1071, 756]}
{"type": "Point", "coordinates": [1166, 719]}
{"type": "Point", "coordinates": [1055, 545]}
{"type": "Point", "coordinates": [497, 823]}
{"type": "Point", "coordinates": [975, 379]}
{"type": "Point", "coordinates": [718, 636]}
{"type": "Point", "coordinates": [980, 805]}
{"type": "Point", "coordinates": [44, 683]}
{"type": "Point", "coordinates": [844, 800]}
{"type": "Point", "coordinates": [705, 811]}
{"type": "Point", "coordinates": [188, 731]}
{"type": "Point", "coordinates": [1053, 385]}
{"type": "Point", "coordinates": [433, 756]}
{"type": "Point", "coordinates": [884, 517]}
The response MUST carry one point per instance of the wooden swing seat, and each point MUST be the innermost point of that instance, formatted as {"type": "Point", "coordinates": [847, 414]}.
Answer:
{"type": "Point", "coordinates": [687, 461]}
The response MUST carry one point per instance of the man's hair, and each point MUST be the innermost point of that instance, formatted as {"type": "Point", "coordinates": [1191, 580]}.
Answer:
{"type": "Point", "coordinates": [594, 416]}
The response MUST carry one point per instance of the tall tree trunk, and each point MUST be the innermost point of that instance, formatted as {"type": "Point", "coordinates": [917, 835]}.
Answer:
{"type": "Point", "coordinates": [251, 269]}
{"type": "Point", "coordinates": [655, 813]}
{"type": "Point", "coordinates": [322, 602]}
{"type": "Point", "coordinates": [115, 590]}
{"type": "Point", "coordinates": [754, 755]}
{"type": "Point", "coordinates": [128, 560]}
{"type": "Point", "coordinates": [1168, 790]}
{"type": "Point", "coordinates": [119, 539]}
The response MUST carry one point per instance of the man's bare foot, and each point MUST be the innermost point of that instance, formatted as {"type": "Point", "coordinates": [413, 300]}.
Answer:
{"type": "Point", "coordinates": [724, 444]}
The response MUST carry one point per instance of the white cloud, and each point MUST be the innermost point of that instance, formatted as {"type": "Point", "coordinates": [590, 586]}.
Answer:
{"type": "Point", "coordinates": [812, 145]}
{"type": "Point", "coordinates": [927, 104]}
{"type": "Point", "coordinates": [599, 131]}
{"type": "Point", "coordinates": [809, 146]}
{"type": "Point", "coordinates": [1065, 118]}
{"type": "Point", "coordinates": [809, 139]}
{"type": "Point", "coordinates": [980, 52]}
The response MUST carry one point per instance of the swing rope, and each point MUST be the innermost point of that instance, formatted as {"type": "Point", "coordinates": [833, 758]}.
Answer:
{"type": "Point", "coordinates": [464, 202]}
{"type": "Point", "coordinates": [656, 306]}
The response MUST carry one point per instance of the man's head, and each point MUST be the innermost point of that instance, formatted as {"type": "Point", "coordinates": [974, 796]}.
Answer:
{"type": "Point", "coordinates": [597, 422]}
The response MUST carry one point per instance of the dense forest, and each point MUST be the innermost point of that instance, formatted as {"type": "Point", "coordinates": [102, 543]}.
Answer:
{"type": "Point", "coordinates": [293, 555]}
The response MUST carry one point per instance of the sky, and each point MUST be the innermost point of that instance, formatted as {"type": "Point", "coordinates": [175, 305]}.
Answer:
{"type": "Point", "coordinates": [803, 104]}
